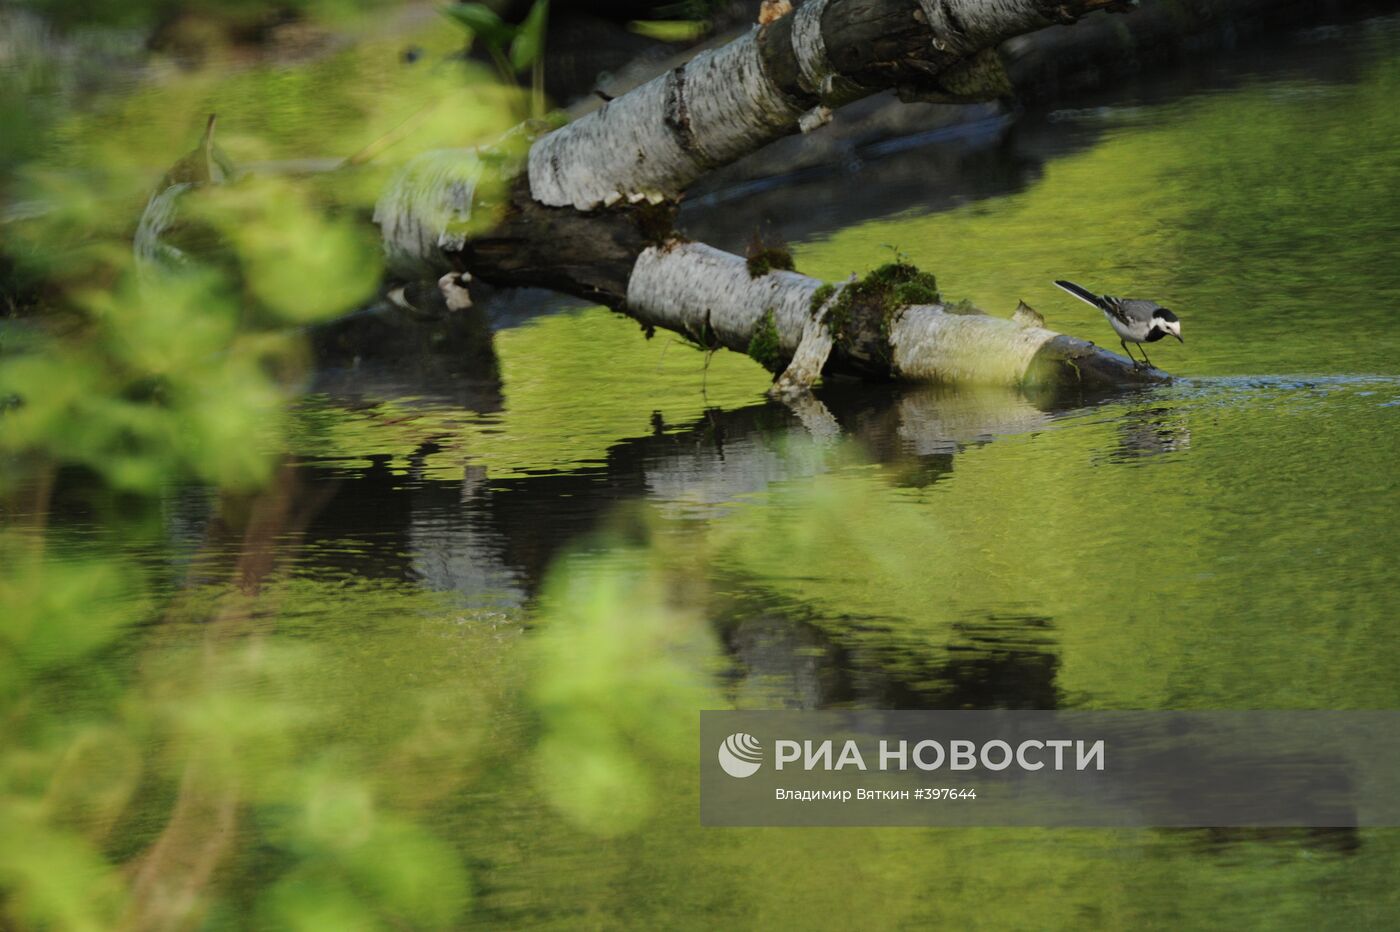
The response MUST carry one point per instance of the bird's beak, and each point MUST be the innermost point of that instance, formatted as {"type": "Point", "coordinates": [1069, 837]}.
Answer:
{"type": "Point", "coordinates": [1179, 338]}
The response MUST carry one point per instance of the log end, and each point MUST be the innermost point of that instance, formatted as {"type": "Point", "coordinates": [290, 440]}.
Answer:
{"type": "Point", "coordinates": [1066, 362]}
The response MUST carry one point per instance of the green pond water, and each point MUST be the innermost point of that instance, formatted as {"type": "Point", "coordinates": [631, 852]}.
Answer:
{"type": "Point", "coordinates": [463, 688]}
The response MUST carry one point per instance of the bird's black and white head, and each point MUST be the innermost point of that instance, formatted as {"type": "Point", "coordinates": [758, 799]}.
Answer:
{"type": "Point", "coordinates": [1167, 322]}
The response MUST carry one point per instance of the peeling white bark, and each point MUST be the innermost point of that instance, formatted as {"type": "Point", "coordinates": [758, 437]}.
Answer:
{"type": "Point", "coordinates": [819, 76]}
{"type": "Point", "coordinates": [734, 109]}
{"type": "Point", "coordinates": [806, 367]}
{"type": "Point", "coordinates": [708, 294]}
{"type": "Point", "coordinates": [810, 47]}
{"type": "Point", "coordinates": [622, 148]}
{"type": "Point", "coordinates": [661, 137]}
{"type": "Point", "coordinates": [965, 26]}
{"type": "Point", "coordinates": [963, 349]}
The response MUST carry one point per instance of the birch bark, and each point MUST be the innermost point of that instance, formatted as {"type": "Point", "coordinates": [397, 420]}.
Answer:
{"type": "Point", "coordinates": [660, 138]}
{"type": "Point", "coordinates": [710, 296]}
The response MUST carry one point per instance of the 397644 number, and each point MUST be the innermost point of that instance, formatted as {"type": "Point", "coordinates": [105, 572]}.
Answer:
{"type": "Point", "coordinates": [944, 792]}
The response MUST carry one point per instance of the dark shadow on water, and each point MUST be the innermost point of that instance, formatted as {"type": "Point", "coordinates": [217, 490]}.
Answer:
{"type": "Point", "coordinates": [787, 655]}
{"type": "Point", "coordinates": [1227, 843]}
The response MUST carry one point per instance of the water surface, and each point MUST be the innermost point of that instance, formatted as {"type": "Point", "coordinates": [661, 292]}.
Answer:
{"type": "Point", "coordinates": [507, 595]}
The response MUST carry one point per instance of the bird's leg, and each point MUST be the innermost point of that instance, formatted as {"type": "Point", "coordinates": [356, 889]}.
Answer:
{"type": "Point", "coordinates": [1149, 361]}
{"type": "Point", "coordinates": [1124, 344]}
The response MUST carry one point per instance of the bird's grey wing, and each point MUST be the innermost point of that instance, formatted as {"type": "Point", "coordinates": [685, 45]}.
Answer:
{"type": "Point", "coordinates": [1138, 310]}
{"type": "Point", "coordinates": [1118, 309]}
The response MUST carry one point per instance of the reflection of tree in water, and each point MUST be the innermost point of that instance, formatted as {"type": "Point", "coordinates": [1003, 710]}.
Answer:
{"type": "Point", "coordinates": [787, 656]}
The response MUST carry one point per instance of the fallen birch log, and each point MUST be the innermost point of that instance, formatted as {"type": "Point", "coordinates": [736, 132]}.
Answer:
{"type": "Point", "coordinates": [591, 211]}
{"type": "Point", "coordinates": [891, 324]}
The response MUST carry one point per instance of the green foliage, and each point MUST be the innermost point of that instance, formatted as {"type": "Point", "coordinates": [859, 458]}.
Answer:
{"type": "Point", "coordinates": [766, 260]}
{"type": "Point", "coordinates": [906, 284]}
{"type": "Point", "coordinates": [131, 692]}
{"type": "Point", "coordinates": [513, 49]}
{"type": "Point", "coordinates": [528, 44]}
{"type": "Point", "coordinates": [300, 263]}
{"type": "Point", "coordinates": [899, 256]}
{"type": "Point", "coordinates": [765, 256]}
{"type": "Point", "coordinates": [764, 346]}
{"type": "Point", "coordinates": [621, 669]}
{"type": "Point", "coordinates": [521, 45]}
{"type": "Point", "coordinates": [483, 22]}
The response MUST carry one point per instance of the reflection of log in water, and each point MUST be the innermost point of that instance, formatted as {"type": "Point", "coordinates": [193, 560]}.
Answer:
{"type": "Point", "coordinates": [493, 540]}
{"type": "Point", "coordinates": [496, 538]}
{"type": "Point", "coordinates": [788, 656]}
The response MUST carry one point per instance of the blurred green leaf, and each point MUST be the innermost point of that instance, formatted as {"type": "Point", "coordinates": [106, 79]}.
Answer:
{"type": "Point", "coordinates": [300, 262]}
{"type": "Point", "coordinates": [313, 899]}
{"type": "Point", "coordinates": [621, 670]}
{"type": "Point", "coordinates": [529, 40]}
{"type": "Point", "coordinates": [53, 879]}
{"type": "Point", "coordinates": [56, 612]}
{"type": "Point", "coordinates": [414, 878]}
{"type": "Point", "coordinates": [483, 22]}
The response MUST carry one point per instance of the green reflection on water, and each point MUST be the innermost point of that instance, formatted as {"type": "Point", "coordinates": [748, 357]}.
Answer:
{"type": "Point", "coordinates": [574, 384]}
{"type": "Point", "coordinates": [1266, 217]}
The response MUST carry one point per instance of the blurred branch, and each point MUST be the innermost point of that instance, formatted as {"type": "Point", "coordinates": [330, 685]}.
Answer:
{"type": "Point", "coordinates": [170, 879]}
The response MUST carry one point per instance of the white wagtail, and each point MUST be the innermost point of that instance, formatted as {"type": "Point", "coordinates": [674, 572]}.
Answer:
{"type": "Point", "coordinates": [1133, 319]}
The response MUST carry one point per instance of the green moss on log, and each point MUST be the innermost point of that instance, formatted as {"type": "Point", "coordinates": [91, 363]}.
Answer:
{"type": "Point", "coordinates": [764, 346]}
{"type": "Point", "coordinates": [764, 257]}
{"type": "Point", "coordinates": [768, 259]}
{"type": "Point", "coordinates": [879, 296]}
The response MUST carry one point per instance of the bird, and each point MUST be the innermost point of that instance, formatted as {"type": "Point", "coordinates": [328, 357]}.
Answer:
{"type": "Point", "coordinates": [426, 301]}
{"type": "Point", "coordinates": [1135, 320]}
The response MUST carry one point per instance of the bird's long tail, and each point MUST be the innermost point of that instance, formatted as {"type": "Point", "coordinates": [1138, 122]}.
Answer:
{"type": "Point", "coordinates": [1082, 294]}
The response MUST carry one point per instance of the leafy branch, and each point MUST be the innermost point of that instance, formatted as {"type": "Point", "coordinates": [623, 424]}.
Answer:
{"type": "Point", "coordinates": [514, 49]}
